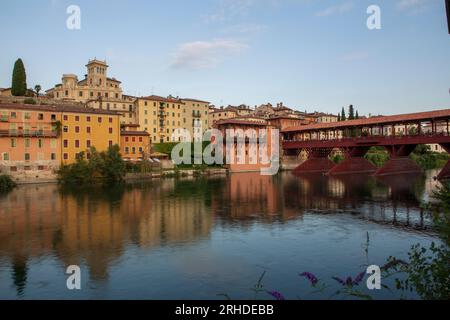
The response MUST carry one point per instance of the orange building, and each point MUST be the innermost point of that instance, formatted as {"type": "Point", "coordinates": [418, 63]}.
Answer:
{"type": "Point", "coordinates": [134, 144]}
{"type": "Point", "coordinates": [29, 138]}
{"type": "Point", "coordinates": [36, 139]}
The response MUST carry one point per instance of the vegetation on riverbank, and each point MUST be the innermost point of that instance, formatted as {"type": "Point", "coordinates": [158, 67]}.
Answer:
{"type": "Point", "coordinates": [105, 167]}
{"type": "Point", "coordinates": [423, 156]}
{"type": "Point", "coordinates": [6, 183]}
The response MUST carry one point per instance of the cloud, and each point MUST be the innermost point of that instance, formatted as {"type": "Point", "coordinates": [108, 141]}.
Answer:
{"type": "Point", "coordinates": [414, 6]}
{"type": "Point", "coordinates": [230, 8]}
{"type": "Point", "coordinates": [244, 29]}
{"type": "Point", "coordinates": [206, 54]}
{"type": "Point", "coordinates": [336, 9]}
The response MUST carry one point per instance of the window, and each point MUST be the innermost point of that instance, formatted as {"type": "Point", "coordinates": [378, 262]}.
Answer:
{"type": "Point", "coordinates": [40, 143]}
{"type": "Point", "coordinates": [91, 94]}
{"type": "Point", "coordinates": [88, 119]}
{"type": "Point", "coordinates": [133, 139]}
{"type": "Point", "coordinates": [27, 115]}
{"type": "Point", "coordinates": [126, 139]}
{"type": "Point", "coordinates": [88, 129]}
{"type": "Point", "coordinates": [13, 143]}
{"type": "Point", "coordinates": [13, 169]}
{"type": "Point", "coordinates": [127, 150]}
{"type": "Point", "coordinates": [66, 129]}
{"type": "Point", "coordinates": [110, 143]}
{"type": "Point", "coordinates": [133, 150]}
{"type": "Point", "coordinates": [77, 118]}
{"type": "Point", "coordinates": [77, 129]}
{"type": "Point", "coordinates": [77, 143]}
{"type": "Point", "coordinates": [140, 149]}
{"type": "Point", "coordinates": [110, 120]}
{"type": "Point", "coordinates": [27, 157]}
{"type": "Point", "coordinates": [100, 119]}
{"type": "Point", "coordinates": [40, 116]}
{"type": "Point", "coordinates": [67, 93]}
{"type": "Point", "coordinates": [110, 130]}
{"type": "Point", "coordinates": [13, 115]}
{"type": "Point", "coordinates": [53, 117]}
{"type": "Point", "coordinates": [88, 143]}
{"type": "Point", "coordinates": [140, 139]}
{"type": "Point", "coordinates": [5, 156]}
{"type": "Point", "coordinates": [65, 156]}
{"type": "Point", "coordinates": [65, 118]}
{"type": "Point", "coordinates": [53, 156]}
{"type": "Point", "coordinates": [80, 94]}
{"type": "Point", "coordinates": [66, 143]}
{"type": "Point", "coordinates": [27, 143]}
{"type": "Point", "coordinates": [41, 168]}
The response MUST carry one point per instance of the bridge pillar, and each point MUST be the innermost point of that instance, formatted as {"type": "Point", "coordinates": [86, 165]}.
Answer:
{"type": "Point", "coordinates": [317, 161]}
{"type": "Point", "coordinates": [445, 172]}
{"type": "Point", "coordinates": [354, 162]}
{"type": "Point", "coordinates": [399, 161]}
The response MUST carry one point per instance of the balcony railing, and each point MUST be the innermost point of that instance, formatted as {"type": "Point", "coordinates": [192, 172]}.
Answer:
{"type": "Point", "coordinates": [29, 133]}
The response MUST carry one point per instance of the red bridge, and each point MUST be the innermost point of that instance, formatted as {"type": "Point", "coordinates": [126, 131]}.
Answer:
{"type": "Point", "coordinates": [399, 135]}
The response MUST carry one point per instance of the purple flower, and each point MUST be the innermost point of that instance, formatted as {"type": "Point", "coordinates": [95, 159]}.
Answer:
{"type": "Point", "coordinates": [276, 295]}
{"type": "Point", "coordinates": [312, 278]}
{"type": "Point", "coordinates": [359, 278]}
{"type": "Point", "coordinates": [349, 281]}
{"type": "Point", "coordinates": [339, 280]}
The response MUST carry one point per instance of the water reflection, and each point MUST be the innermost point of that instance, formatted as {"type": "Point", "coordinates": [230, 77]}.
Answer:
{"type": "Point", "coordinates": [96, 227]}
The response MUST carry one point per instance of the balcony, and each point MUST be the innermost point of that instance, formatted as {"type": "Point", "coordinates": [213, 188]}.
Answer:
{"type": "Point", "coordinates": [196, 114]}
{"type": "Point", "coordinates": [29, 133]}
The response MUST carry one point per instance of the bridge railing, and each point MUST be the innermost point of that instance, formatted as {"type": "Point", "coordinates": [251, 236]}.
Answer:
{"type": "Point", "coordinates": [371, 137]}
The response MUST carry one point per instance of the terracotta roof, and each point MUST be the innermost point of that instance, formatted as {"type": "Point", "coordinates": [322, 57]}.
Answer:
{"type": "Point", "coordinates": [242, 122]}
{"type": "Point", "coordinates": [401, 118]}
{"type": "Point", "coordinates": [134, 133]}
{"type": "Point", "coordinates": [195, 100]}
{"type": "Point", "coordinates": [162, 99]}
{"type": "Point", "coordinates": [55, 108]}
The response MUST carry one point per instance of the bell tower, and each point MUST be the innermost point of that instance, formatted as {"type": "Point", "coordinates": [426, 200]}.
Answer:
{"type": "Point", "coordinates": [97, 73]}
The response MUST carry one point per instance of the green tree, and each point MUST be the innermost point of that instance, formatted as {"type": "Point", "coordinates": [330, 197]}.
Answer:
{"type": "Point", "coordinates": [357, 115]}
{"type": "Point", "coordinates": [343, 118]}
{"type": "Point", "coordinates": [351, 112]}
{"type": "Point", "coordinates": [38, 89]}
{"type": "Point", "coordinates": [19, 79]}
{"type": "Point", "coordinates": [339, 117]}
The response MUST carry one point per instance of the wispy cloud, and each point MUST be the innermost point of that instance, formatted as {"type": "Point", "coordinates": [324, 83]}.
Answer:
{"type": "Point", "coordinates": [336, 9]}
{"type": "Point", "coordinates": [244, 29]}
{"type": "Point", "coordinates": [230, 8]}
{"type": "Point", "coordinates": [206, 54]}
{"type": "Point", "coordinates": [414, 6]}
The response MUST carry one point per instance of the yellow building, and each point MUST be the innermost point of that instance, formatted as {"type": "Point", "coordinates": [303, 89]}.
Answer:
{"type": "Point", "coordinates": [196, 113]}
{"type": "Point", "coordinates": [162, 117]}
{"type": "Point", "coordinates": [83, 128]}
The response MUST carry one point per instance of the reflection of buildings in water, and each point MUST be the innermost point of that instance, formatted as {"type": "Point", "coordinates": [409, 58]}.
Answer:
{"type": "Point", "coordinates": [94, 227]}
{"type": "Point", "coordinates": [252, 196]}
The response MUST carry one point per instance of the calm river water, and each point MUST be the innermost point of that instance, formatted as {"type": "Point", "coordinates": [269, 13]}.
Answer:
{"type": "Point", "coordinates": [197, 238]}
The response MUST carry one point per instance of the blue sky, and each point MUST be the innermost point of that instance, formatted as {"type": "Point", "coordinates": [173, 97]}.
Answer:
{"type": "Point", "coordinates": [310, 54]}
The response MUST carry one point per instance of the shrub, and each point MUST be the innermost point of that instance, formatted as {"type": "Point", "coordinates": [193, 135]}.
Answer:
{"type": "Point", "coordinates": [29, 101]}
{"type": "Point", "coordinates": [107, 166]}
{"type": "Point", "coordinates": [6, 183]}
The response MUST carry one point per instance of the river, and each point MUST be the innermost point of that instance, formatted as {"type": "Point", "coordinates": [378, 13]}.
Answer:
{"type": "Point", "coordinates": [197, 238]}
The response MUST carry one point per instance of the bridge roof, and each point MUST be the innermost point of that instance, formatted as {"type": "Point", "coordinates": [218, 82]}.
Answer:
{"type": "Point", "coordinates": [385, 120]}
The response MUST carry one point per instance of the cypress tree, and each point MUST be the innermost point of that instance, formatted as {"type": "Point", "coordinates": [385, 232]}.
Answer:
{"type": "Point", "coordinates": [343, 118]}
{"type": "Point", "coordinates": [357, 115]}
{"type": "Point", "coordinates": [339, 117]}
{"type": "Point", "coordinates": [19, 79]}
{"type": "Point", "coordinates": [351, 112]}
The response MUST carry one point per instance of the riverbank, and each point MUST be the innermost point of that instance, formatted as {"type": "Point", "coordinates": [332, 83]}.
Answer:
{"type": "Point", "coordinates": [172, 173]}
